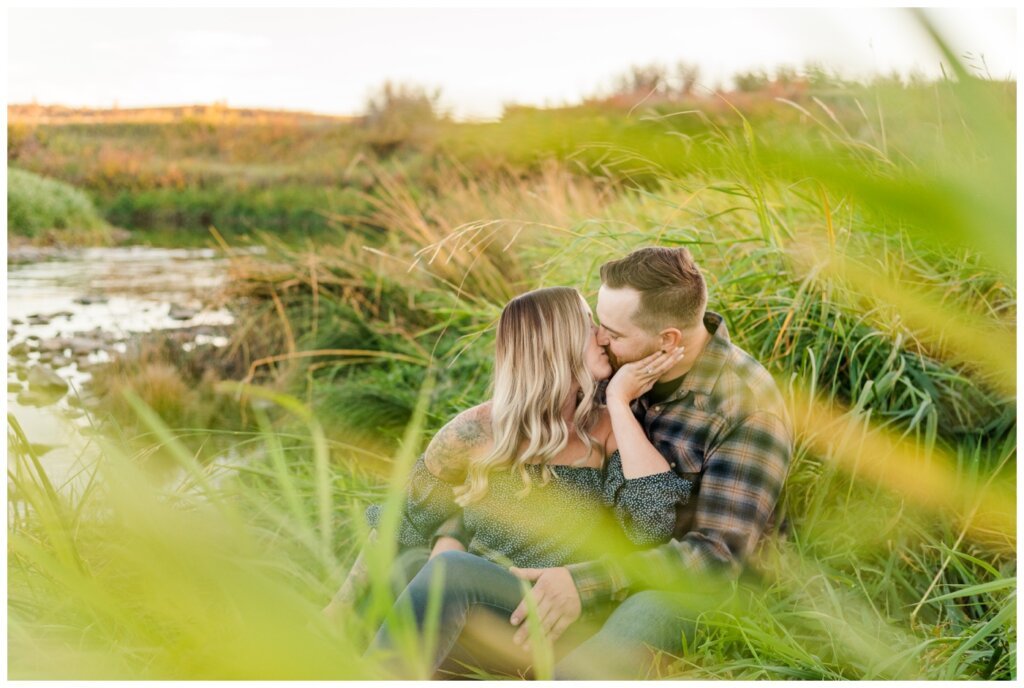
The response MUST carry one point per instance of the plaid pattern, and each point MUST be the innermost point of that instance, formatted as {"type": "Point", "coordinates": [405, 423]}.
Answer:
{"type": "Point", "coordinates": [725, 429]}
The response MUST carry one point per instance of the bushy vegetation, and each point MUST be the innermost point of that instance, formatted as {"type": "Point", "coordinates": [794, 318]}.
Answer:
{"type": "Point", "coordinates": [304, 175]}
{"type": "Point", "coordinates": [859, 252]}
{"type": "Point", "coordinates": [48, 209]}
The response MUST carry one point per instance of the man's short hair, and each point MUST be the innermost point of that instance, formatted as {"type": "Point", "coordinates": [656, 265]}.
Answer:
{"type": "Point", "coordinates": [672, 289]}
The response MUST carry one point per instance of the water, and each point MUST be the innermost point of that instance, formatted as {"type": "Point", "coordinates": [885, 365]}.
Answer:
{"type": "Point", "coordinates": [78, 309]}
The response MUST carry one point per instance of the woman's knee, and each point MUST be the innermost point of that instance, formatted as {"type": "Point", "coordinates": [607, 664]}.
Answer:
{"type": "Point", "coordinates": [469, 566]}
{"type": "Point", "coordinates": [407, 564]}
{"type": "Point", "coordinates": [454, 557]}
{"type": "Point", "coordinates": [470, 579]}
{"type": "Point", "coordinates": [452, 567]}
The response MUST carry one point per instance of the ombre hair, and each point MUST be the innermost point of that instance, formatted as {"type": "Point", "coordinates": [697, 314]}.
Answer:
{"type": "Point", "coordinates": [539, 361]}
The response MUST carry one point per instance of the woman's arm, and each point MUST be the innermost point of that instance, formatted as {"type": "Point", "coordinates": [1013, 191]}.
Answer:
{"type": "Point", "coordinates": [645, 507]}
{"type": "Point", "coordinates": [639, 456]}
{"type": "Point", "coordinates": [429, 500]}
{"type": "Point", "coordinates": [461, 440]}
{"type": "Point", "coordinates": [451, 536]}
{"type": "Point", "coordinates": [430, 497]}
{"type": "Point", "coordinates": [446, 543]}
{"type": "Point", "coordinates": [640, 487]}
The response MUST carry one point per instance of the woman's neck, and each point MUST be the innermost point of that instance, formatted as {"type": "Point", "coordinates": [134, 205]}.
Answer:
{"type": "Point", "coordinates": [569, 407]}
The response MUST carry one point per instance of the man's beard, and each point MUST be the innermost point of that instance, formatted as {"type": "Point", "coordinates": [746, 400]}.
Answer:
{"type": "Point", "coordinates": [618, 363]}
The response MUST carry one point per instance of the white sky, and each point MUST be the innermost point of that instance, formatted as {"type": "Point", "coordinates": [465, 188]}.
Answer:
{"type": "Point", "coordinates": [328, 59]}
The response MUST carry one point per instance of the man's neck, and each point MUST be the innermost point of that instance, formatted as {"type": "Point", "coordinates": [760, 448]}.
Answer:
{"type": "Point", "coordinates": [694, 341]}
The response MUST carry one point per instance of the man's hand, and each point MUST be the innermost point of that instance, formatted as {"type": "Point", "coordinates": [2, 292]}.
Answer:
{"type": "Point", "coordinates": [558, 602]}
{"type": "Point", "coordinates": [446, 544]}
{"type": "Point", "coordinates": [634, 379]}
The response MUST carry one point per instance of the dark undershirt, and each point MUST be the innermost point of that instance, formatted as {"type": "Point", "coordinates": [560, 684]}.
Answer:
{"type": "Point", "coordinates": [663, 390]}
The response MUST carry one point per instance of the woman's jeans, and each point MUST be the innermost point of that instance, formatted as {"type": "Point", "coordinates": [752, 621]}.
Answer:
{"type": "Point", "coordinates": [472, 587]}
{"type": "Point", "coordinates": [405, 567]}
{"type": "Point", "coordinates": [481, 593]}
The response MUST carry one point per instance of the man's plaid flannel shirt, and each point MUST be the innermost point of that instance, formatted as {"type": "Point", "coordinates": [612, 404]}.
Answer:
{"type": "Point", "coordinates": [726, 429]}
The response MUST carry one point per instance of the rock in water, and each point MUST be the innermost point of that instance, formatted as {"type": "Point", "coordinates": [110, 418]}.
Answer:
{"type": "Point", "coordinates": [43, 378]}
{"type": "Point", "coordinates": [35, 397]}
{"type": "Point", "coordinates": [182, 312]}
{"type": "Point", "coordinates": [90, 299]}
{"type": "Point", "coordinates": [54, 345]}
{"type": "Point", "coordinates": [84, 345]}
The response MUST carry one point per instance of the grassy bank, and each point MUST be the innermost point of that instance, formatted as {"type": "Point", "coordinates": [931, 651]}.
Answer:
{"type": "Point", "coordinates": [50, 211]}
{"type": "Point", "coordinates": [863, 265]}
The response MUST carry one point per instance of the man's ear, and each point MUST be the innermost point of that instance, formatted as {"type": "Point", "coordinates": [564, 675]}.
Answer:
{"type": "Point", "coordinates": [670, 339]}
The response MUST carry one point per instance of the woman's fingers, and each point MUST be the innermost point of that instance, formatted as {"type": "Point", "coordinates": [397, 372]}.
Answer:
{"type": "Point", "coordinates": [671, 358]}
{"type": "Point", "coordinates": [660, 361]}
{"type": "Point", "coordinates": [652, 358]}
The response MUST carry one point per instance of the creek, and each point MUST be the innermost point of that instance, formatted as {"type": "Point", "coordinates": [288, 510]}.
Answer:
{"type": "Point", "coordinates": [70, 311]}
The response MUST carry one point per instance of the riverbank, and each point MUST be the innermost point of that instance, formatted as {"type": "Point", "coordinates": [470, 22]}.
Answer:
{"type": "Point", "coordinates": [74, 313]}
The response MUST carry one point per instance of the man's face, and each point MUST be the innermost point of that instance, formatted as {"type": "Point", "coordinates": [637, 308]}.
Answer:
{"type": "Point", "coordinates": [621, 338]}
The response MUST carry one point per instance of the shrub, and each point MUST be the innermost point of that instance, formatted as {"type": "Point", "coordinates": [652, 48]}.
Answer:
{"type": "Point", "coordinates": [400, 114]}
{"type": "Point", "coordinates": [36, 205]}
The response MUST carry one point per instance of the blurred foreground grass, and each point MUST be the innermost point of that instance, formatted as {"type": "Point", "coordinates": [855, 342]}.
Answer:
{"type": "Point", "coordinates": [867, 269]}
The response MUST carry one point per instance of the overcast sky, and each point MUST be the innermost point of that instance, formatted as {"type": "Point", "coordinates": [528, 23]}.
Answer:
{"type": "Point", "coordinates": [328, 60]}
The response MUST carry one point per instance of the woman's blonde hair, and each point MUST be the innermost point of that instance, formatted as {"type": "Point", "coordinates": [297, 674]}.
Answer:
{"type": "Point", "coordinates": [540, 360]}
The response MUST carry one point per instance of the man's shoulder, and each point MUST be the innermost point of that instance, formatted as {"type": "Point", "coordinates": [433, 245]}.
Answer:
{"type": "Point", "coordinates": [745, 386]}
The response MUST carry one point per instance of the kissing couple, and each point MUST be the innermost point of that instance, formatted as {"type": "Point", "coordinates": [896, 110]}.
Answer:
{"type": "Point", "coordinates": [620, 463]}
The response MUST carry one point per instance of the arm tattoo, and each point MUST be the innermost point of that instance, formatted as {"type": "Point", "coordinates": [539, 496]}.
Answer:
{"type": "Point", "coordinates": [471, 433]}
{"type": "Point", "coordinates": [448, 453]}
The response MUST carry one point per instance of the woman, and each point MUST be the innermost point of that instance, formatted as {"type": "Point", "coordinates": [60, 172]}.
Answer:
{"type": "Point", "coordinates": [536, 471]}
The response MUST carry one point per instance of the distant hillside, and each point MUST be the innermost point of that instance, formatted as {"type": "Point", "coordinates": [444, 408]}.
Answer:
{"type": "Point", "coordinates": [215, 113]}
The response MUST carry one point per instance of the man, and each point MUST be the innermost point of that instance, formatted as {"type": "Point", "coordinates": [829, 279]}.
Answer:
{"type": "Point", "coordinates": [719, 420]}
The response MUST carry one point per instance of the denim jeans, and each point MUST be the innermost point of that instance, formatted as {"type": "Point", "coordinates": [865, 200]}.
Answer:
{"type": "Point", "coordinates": [479, 596]}
{"type": "Point", "coordinates": [644, 622]}
{"type": "Point", "coordinates": [406, 565]}
{"type": "Point", "coordinates": [474, 589]}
